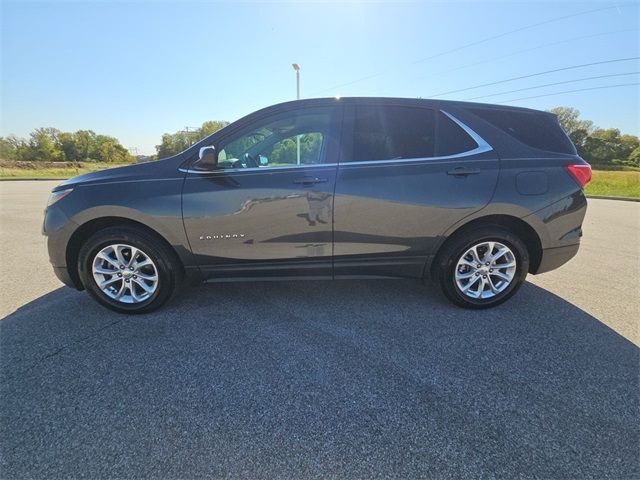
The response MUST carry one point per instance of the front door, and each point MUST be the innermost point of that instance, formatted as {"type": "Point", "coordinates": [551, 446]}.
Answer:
{"type": "Point", "coordinates": [266, 208]}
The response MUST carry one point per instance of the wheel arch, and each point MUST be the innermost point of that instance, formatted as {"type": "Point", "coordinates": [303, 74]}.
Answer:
{"type": "Point", "coordinates": [84, 231]}
{"type": "Point", "coordinates": [514, 224]}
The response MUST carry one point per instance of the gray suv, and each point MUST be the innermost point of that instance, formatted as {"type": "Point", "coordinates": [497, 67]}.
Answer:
{"type": "Point", "coordinates": [473, 196]}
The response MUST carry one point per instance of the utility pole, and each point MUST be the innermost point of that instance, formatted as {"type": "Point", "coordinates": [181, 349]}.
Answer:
{"type": "Point", "coordinates": [296, 67]}
{"type": "Point", "coordinates": [188, 131]}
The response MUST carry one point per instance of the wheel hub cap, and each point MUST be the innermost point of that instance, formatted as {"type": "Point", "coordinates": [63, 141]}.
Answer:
{"type": "Point", "coordinates": [125, 273]}
{"type": "Point", "coordinates": [485, 270]}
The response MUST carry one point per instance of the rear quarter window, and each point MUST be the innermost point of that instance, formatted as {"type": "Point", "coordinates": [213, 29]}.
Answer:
{"type": "Point", "coordinates": [537, 130]}
{"type": "Point", "coordinates": [451, 139]}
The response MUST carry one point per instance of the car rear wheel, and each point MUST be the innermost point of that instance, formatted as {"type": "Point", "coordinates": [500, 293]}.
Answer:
{"type": "Point", "coordinates": [482, 268]}
{"type": "Point", "coordinates": [128, 270]}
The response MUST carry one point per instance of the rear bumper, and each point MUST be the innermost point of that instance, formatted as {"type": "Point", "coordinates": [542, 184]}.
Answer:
{"type": "Point", "coordinates": [553, 258]}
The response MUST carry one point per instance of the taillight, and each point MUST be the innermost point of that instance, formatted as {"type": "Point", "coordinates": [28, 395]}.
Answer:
{"type": "Point", "coordinates": [581, 172]}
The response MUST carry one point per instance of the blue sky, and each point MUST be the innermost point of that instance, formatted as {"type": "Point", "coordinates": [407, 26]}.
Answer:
{"type": "Point", "coordinates": [135, 70]}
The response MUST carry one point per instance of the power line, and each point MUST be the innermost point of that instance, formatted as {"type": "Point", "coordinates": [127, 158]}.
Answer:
{"type": "Point", "coordinates": [571, 91]}
{"type": "Point", "coordinates": [536, 75]}
{"type": "Point", "coordinates": [518, 52]}
{"type": "Point", "coordinates": [526, 27]}
{"type": "Point", "coordinates": [462, 47]}
{"type": "Point", "coordinates": [552, 84]}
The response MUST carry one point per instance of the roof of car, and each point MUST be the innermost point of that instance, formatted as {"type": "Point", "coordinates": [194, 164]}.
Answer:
{"type": "Point", "coordinates": [404, 101]}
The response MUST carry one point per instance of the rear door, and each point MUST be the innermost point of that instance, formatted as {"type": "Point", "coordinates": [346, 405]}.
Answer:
{"type": "Point", "coordinates": [266, 209]}
{"type": "Point", "coordinates": [407, 174]}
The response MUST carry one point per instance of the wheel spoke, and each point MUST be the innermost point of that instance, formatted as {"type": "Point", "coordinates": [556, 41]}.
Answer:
{"type": "Point", "coordinates": [470, 284]}
{"type": "Point", "coordinates": [512, 263]}
{"type": "Point", "coordinates": [134, 294]}
{"type": "Point", "coordinates": [132, 259]}
{"type": "Point", "coordinates": [106, 283]}
{"type": "Point", "coordinates": [463, 275]}
{"type": "Point", "coordinates": [491, 285]}
{"type": "Point", "coordinates": [501, 276]}
{"type": "Point", "coordinates": [106, 271]}
{"type": "Point", "coordinates": [123, 288]}
{"type": "Point", "coordinates": [143, 263]}
{"type": "Point", "coordinates": [478, 292]}
{"type": "Point", "coordinates": [464, 261]}
{"type": "Point", "coordinates": [144, 276]}
{"type": "Point", "coordinates": [143, 285]}
{"type": "Point", "coordinates": [108, 259]}
{"type": "Point", "coordinates": [499, 253]}
{"type": "Point", "coordinates": [488, 254]}
{"type": "Point", "coordinates": [474, 254]}
{"type": "Point", "coordinates": [119, 255]}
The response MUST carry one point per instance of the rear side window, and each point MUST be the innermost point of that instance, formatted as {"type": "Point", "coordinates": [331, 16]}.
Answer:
{"type": "Point", "coordinates": [451, 138]}
{"type": "Point", "coordinates": [538, 130]}
{"type": "Point", "coordinates": [392, 132]}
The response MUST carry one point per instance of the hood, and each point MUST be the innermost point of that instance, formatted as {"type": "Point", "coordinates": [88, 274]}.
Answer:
{"type": "Point", "coordinates": [164, 168]}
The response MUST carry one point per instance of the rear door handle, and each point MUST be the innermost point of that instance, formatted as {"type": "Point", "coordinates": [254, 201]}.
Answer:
{"type": "Point", "coordinates": [309, 180]}
{"type": "Point", "coordinates": [463, 171]}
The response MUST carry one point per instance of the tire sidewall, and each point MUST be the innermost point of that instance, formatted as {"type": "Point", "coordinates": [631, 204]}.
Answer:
{"type": "Point", "coordinates": [100, 240]}
{"type": "Point", "coordinates": [449, 264]}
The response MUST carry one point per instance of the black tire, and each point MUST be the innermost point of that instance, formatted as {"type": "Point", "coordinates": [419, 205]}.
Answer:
{"type": "Point", "coordinates": [446, 262]}
{"type": "Point", "coordinates": [169, 269]}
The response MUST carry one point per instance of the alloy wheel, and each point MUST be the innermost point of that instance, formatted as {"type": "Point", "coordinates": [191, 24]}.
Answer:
{"type": "Point", "coordinates": [125, 273]}
{"type": "Point", "coordinates": [485, 270]}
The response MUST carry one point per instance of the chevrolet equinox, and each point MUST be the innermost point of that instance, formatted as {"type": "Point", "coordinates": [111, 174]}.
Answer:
{"type": "Point", "coordinates": [473, 196]}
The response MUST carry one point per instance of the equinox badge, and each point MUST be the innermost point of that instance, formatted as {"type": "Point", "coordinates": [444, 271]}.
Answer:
{"type": "Point", "coordinates": [221, 236]}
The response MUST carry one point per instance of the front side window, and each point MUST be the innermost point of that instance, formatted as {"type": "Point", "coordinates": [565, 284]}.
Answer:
{"type": "Point", "coordinates": [392, 132]}
{"type": "Point", "coordinates": [292, 138]}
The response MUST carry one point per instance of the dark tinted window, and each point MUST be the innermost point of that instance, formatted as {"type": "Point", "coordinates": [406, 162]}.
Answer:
{"type": "Point", "coordinates": [451, 138]}
{"type": "Point", "coordinates": [392, 132]}
{"type": "Point", "coordinates": [538, 130]}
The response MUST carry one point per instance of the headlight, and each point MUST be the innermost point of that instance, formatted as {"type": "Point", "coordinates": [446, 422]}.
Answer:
{"type": "Point", "coordinates": [58, 195]}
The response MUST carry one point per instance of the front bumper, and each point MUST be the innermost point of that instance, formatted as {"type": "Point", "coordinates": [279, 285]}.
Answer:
{"type": "Point", "coordinates": [63, 275]}
{"type": "Point", "coordinates": [553, 258]}
{"type": "Point", "coordinates": [58, 229]}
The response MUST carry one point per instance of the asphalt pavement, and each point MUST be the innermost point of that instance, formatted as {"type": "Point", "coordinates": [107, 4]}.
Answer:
{"type": "Point", "coordinates": [345, 379]}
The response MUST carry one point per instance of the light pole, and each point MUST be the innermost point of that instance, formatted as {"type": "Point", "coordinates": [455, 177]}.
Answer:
{"type": "Point", "coordinates": [296, 67]}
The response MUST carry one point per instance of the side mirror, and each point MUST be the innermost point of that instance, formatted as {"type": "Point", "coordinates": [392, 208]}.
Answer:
{"type": "Point", "coordinates": [208, 157]}
{"type": "Point", "coordinates": [263, 161]}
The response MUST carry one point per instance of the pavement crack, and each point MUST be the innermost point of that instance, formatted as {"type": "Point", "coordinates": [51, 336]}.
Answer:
{"type": "Point", "coordinates": [59, 350]}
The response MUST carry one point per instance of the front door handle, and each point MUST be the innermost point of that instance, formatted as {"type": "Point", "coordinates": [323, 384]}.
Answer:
{"type": "Point", "coordinates": [309, 180]}
{"type": "Point", "coordinates": [463, 171]}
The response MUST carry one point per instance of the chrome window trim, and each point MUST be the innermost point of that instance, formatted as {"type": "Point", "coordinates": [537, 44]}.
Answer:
{"type": "Point", "coordinates": [482, 147]}
{"type": "Point", "coordinates": [256, 169]}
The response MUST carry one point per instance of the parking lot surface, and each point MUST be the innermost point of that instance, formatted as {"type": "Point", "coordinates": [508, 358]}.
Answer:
{"type": "Point", "coordinates": [344, 379]}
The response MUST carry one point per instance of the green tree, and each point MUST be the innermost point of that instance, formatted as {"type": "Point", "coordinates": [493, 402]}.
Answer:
{"type": "Point", "coordinates": [85, 144]}
{"type": "Point", "coordinates": [69, 146]}
{"type": "Point", "coordinates": [210, 127]}
{"type": "Point", "coordinates": [607, 146]}
{"type": "Point", "coordinates": [634, 158]}
{"type": "Point", "coordinates": [44, 145]}
{"type": "Point", "coordinates": [174, 143]}
{"type": "Point", "coordinates": [577, 129]}
{"type": "Point", "coordinates": [8, 150]}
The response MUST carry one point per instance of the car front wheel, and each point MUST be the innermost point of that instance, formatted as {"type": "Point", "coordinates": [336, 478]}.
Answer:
{"type": "Point", "coordinates": [128, 270]}
{"type": "Point", "coordinates": [482, 268]}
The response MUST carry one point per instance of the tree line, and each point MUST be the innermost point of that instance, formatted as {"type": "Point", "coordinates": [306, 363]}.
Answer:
{"type": "Point", "coordinates": [52, 145]}
{"type": "Point", "coordinates": [597, 146]}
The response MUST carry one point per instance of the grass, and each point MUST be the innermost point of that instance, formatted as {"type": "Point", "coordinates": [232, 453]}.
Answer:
{"type": "Point", "coordinates": [15, 171]}
{"type": "Point", "coordinates": [614, 184]}
{"type": "Point", "coordinates": [608, 183]}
